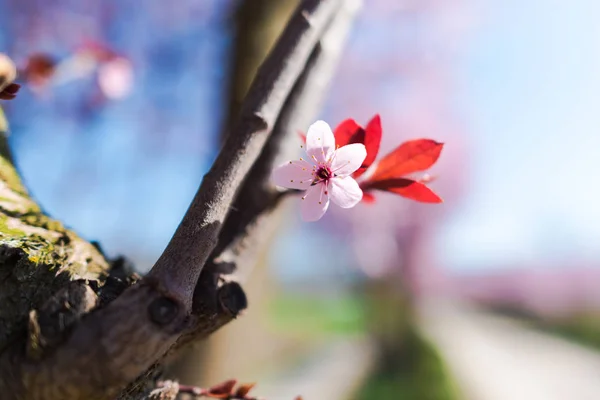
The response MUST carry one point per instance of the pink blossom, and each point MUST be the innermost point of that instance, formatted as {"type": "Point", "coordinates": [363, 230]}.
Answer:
{"type": "Point", "coordinates": [115, 78]}
{"type": "Point", "coordinates": [326, 174]}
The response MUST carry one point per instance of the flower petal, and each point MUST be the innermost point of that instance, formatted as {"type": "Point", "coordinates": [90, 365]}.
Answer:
{"type": "Point", "coordinates": [314, 203]}
{"type": "Point", "coordinates": [345, 192]}
{"type": "Point", "coordinates": [348, 159]}
{"type": "Point", "coordinates": [293, 175]}
{"type": "Point", "coordinates": [320, 142]}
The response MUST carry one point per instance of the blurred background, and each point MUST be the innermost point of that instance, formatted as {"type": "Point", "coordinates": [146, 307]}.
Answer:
{"type": "Point", "coordinates": [492, 295]}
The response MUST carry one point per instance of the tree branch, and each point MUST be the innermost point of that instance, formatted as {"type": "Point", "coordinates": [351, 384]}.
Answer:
{"type": "Point", "coordinates": [100, 352]}
{"type": "Point", "coordinates": [181, 263]}
{"type": "Point", "coordinates": [250, 222]}
{"type": "Point", "coordinates": [247, 223]}
{"type": "Point", "coordinates": [110, 347]}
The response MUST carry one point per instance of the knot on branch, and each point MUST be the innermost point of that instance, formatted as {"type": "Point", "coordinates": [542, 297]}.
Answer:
{"type": "Point", "coordinates": [163, 311]}
{"type": "Point", "coordinates": [232, 298]}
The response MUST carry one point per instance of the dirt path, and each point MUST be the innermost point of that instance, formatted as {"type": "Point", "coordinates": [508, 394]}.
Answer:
{"type": "Point", "coordinates": [494, 358]}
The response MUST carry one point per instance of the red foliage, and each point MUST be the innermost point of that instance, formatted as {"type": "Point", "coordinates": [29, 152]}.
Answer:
{"type": "Point", "coordinates": [368, 197]}
{"type": "Point", "coordinates": [408, 188]}
{"type": "Point", "coordinates": [349, 132]}
{"type": "Point", "coordinates": [389, 174]}
{"type": "Point", "coordinates": [412, 156]}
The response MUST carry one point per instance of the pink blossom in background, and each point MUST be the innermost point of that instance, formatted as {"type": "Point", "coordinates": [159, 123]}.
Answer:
{"type": "Point", "coordinates": [115, 78]}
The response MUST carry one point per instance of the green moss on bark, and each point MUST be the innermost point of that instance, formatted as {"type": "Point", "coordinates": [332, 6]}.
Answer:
{"type": "Point", "coordinates": [38, 255]}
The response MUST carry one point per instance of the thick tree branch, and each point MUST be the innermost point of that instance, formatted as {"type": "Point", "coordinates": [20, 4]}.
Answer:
{"type": "Point", "coordinates": [181, 263]}
{"type": "Point", "coordinates": [113, 335]}
{"type": "Point", "coordinates": [109, 347]}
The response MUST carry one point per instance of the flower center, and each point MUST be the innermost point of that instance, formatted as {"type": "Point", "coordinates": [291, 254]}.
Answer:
{"type": "Point", "coordinates": [323, 173]}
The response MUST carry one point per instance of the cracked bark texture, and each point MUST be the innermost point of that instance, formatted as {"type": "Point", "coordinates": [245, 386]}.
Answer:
{"type": "Point", "coordinates": [74, 325]}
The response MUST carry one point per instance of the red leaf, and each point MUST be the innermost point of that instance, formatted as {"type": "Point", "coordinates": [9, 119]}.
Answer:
{"type": "Point", "coordinates": [372, 140]}
{"type": "Point", "coordinates": [244, 389]}
{"type": "Point", "coordinates": [409, 157]}
{"type": "Point", "coordinates": [222, 390]}
{"type": "Point", "coordinates": [368, 198]}
{"type": "Point", "coordinates": [349, 132]}
{"type": "Point", "coordinates": [407, 188]}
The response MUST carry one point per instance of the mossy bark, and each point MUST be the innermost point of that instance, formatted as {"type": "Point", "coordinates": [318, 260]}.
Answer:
{"type": "Point", "coordinates": [49, 276]}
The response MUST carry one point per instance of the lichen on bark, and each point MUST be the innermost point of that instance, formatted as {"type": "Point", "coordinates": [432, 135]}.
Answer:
{"type": "Point", "coordinates": [38, 255]}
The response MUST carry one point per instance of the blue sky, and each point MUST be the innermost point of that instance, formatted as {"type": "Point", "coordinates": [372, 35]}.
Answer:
{"type": "Point", "coordinates": [531, 81]}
